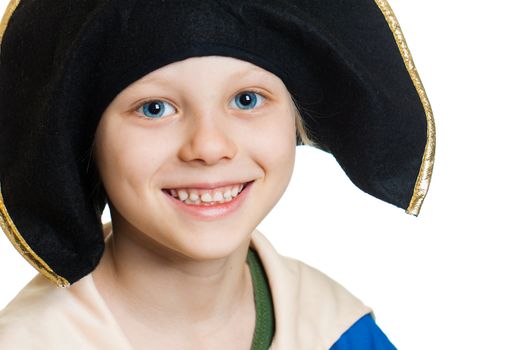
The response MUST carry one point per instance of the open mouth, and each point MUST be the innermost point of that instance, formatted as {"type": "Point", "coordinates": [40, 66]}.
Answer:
{"type": "Point", "coordinates": [207, 197]}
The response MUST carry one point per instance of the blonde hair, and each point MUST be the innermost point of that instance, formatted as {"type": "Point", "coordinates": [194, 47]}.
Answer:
{"type": "Point", "coordinates": [301, 127]}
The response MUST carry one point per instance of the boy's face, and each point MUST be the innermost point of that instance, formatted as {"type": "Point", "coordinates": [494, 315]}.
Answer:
{"type": "Point", "coordinates": [200, 127]}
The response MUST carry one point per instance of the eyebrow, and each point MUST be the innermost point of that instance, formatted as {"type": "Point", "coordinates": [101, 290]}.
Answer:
{"type": "Point", "coordinates": [252, 71]}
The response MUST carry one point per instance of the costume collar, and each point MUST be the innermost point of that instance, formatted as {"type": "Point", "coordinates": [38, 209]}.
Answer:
{"type": "Point", "coordinates": [311, 310]}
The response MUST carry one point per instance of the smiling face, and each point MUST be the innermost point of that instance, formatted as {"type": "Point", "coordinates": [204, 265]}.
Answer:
{"type": "Point", "coordinates": [196, 130]}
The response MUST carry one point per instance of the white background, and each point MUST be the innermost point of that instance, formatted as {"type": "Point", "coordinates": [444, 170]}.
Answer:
{"type": "Point", "coordinates": [453, 278]}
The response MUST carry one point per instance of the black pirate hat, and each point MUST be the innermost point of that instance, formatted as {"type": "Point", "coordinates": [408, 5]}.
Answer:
{"type": "Point", "coordinates": [345, 62]}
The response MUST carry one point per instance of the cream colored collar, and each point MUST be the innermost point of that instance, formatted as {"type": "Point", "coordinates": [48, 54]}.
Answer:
{"type": "Point", "coordinates": [311, 310]}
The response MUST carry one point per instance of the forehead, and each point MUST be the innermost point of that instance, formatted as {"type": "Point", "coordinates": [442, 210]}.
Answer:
{"type": "Point", "coordinates": [221, 67]}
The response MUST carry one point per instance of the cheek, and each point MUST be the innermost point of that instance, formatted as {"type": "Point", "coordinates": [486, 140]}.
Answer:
{"type": "Point", "coordinates": [127, 159]}
{"type": "Point", "coordinates": [273, 145]}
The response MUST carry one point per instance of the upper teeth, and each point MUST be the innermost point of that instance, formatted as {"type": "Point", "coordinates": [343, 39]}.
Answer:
{"type": "Point", "coordinates": [196, 196]}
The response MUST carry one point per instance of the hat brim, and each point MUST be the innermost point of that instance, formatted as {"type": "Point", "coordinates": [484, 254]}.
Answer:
{"type": "Point", "coordinates": [65, 250]}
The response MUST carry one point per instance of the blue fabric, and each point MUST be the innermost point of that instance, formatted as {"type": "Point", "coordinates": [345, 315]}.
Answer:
{"type": "Point", "coordinates": [363, 335]}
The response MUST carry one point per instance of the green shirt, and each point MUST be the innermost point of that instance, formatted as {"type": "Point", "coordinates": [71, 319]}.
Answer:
{"type": "Point", "coordinates": [265, 321]}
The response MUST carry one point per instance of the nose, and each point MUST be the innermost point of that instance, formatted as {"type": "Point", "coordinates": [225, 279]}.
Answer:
{"type": "Point", "coordinates": [208, 141]}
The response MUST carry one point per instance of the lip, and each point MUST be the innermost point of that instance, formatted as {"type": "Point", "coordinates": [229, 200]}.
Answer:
{"type": "Point", "coordinates": [211, 212]}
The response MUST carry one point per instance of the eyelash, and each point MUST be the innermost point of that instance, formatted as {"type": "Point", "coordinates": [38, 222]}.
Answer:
{"type": "Point", "coordinates": [141, 106]}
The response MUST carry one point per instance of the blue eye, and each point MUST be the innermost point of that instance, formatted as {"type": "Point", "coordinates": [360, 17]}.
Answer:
{"type": "Point", "coordinates": [156, 109]}
{"type": "Point", "coordinates": [248, 100]}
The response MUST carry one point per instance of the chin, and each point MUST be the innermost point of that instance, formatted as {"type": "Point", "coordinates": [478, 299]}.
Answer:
{"type": "Point", "coordinates": [206, 245]}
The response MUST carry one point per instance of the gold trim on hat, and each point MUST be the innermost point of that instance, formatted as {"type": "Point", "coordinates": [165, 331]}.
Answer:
{"type": "Point", "coordinates": [6, 223]}
{"type": "Point", "coordinates": [9, 228]}
{"type": "Point", "coordinates": [7, 15]}
{"type": "Point", "coordinates": [427, 163]}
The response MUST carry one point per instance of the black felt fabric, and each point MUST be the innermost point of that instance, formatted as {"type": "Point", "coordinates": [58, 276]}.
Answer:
{"type": "Point", "coordinates": [62, 62]}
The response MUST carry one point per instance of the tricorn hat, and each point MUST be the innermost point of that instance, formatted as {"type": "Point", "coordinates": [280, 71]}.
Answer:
{"type": "Point", "coordinates": [345, 62]}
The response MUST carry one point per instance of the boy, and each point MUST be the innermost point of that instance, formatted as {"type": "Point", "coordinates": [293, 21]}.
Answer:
{"type": "Point", "coordinates": [182, 116]}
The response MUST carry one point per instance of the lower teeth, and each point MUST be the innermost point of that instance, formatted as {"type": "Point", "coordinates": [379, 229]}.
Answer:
{"type": "Point", "coordinates": [202, 203]}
